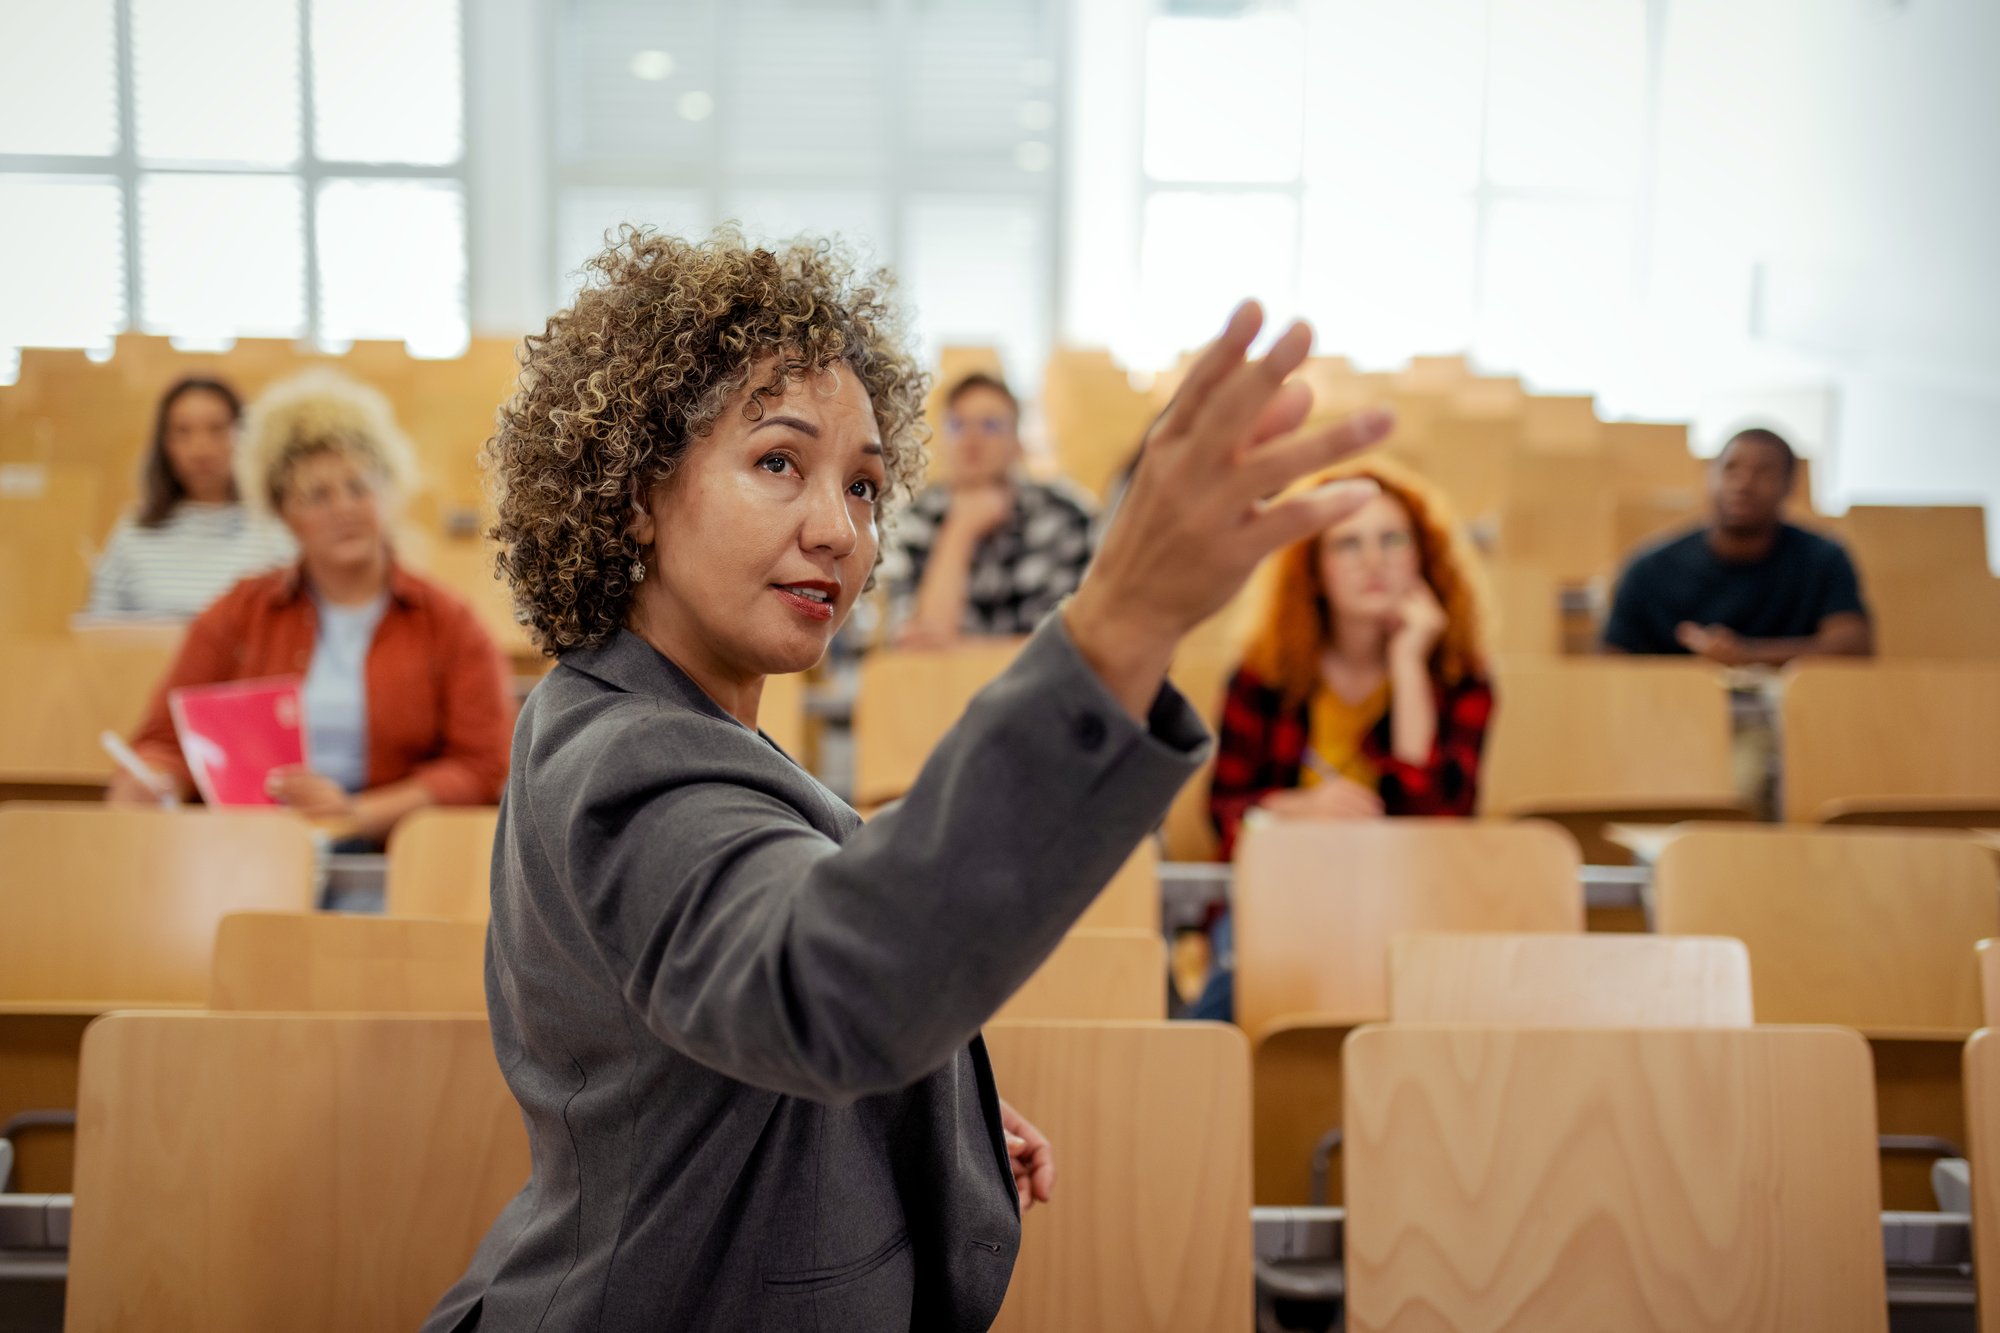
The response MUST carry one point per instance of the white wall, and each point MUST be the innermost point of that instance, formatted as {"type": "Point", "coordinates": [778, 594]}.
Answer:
{"type": "Point", "coordinates": [1827, 204]}
{"type": "Point", "coordinates": [507, 123]}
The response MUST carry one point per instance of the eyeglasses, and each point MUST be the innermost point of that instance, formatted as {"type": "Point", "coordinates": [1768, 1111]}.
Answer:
{"type": "Point", "coordinates": [957, 425]}
{"type": "Point", "coordinates": [1354, 545]}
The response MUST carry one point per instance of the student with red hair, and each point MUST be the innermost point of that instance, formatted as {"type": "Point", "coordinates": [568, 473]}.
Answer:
{"type": "Point", "coordinates": [1363, 691]}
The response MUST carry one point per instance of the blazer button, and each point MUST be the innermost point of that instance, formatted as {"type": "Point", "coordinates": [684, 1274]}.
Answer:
{"type": "Point", "coordinates": [1090, 731]}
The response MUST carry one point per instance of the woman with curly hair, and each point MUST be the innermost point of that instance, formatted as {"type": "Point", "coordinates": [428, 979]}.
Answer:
{"type": "Point", "coordinates": [744, 1027]}
{"type": "Point", "coordinates": [407, 699]}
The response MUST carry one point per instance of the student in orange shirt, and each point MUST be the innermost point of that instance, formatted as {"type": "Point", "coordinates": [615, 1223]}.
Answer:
{"type": "Point", "coordinates": [406, 697]}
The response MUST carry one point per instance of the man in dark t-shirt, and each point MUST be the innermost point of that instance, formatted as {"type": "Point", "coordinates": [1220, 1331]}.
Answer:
{"type": "Point", "coordinates": [1746, 587]}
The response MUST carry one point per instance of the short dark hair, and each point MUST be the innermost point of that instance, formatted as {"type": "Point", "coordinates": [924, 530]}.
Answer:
{"type": "Point", "coordinates": [159, 489]}
{"type": "Point", "coordinates": [1765, 435]}
{"type": "Point", "coordinates": [980, 379]}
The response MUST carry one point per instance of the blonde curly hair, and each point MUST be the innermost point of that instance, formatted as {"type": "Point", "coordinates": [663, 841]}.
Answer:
{"type": "Point", "coordinates": [1285, 647]}
{"type": "Point", "coordinates": [615, 388]}
{"type": "Point", "coordinates": [319, 411]}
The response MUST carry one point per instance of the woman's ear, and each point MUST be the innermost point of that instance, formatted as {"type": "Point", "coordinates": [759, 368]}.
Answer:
{"type": "Point", "coordinates": [642, 527]}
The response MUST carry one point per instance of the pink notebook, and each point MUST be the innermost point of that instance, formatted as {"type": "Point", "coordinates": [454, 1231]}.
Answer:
{"type": "Point", "coordinates": [234, 734]}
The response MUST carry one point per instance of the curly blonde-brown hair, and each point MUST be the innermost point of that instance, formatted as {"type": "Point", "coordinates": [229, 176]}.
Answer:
{"type": "Point", "coordinates": [614, 389]}
{"type": "Point", "coordinates": [319, 411]}
{"type": "Point", "coordinates": [1284, 649]}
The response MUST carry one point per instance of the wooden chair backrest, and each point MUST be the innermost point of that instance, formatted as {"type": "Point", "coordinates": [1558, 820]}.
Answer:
{"type": "Point", "coordinates": [1095, 418]}
{"type": "Point", "coordinates": [1558, 423]}
{"type": "Point", "coordinates": [1706, 1181]}
{"type": "Point", "coordinates": [1892, 737]}
{"type": "Point", "coordinates": [1923, 617]}
{"type": "Point", "coordinates": [906, 702]}
{"type": "Point", "coordinates": [1982, 1122]}
{"type": "Point", "coordinates": [59, 692]}
{"type": "Point", "coordinates": [1868, 928]}
{"type": "Point", "coordinates": [1989, 982]}
{"type": "Point", "coordinates": [1650, 460]}
{"type": "Point", "coordinates": [1938, 540]}
{"type": "Point", "coordinates": [1606, 735]}
{"type": "Point", "coordinates": [781, 714]}
{"type": "Point", "coordinates": [47, 543]}
{"type": "Point", "coordinates": [1317, 904]}
{"type": "Point", "coordinates": [1148, 1229]}
{"type": "Point", "coordinates": [241, 1172]}
{"type": "Point", "coordinates": [1614, 981]}
{"type": "Point", "coordinates": [441, 864]}
{"type": "Point", "coordinates": [1529, 623]}
{"type": "Point", "coordinates": [1131, 901]}
{"type": "Point", "coordinates": [335, 962]}
{"type": "Point", "coordinates": [114, 907]}
{"type": "Point", "coordinates": [1096, 976]}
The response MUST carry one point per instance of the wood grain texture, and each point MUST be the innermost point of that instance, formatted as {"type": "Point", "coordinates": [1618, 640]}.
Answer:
{"type": "Point", "coordinates": [119, 907]}
{"type": "Point", "coordinates": [1616, 981]}
{"type": "Point", "coordinates": [305, 1172]}
{"type": "Point", "coordinates": [1982, 1114]}
{"type": "Point", "coordinates": [59, 691]}
{"type": "Point", "coordinates": [1868, 928]}
{"type": "Point", "coordinates": [1608, 736]}
{"type": "Point", "coordinates": [1905, 735]}
{"type": "Point", "coordinates": [327, 962]}
{"type": "Point", "coordinates": [906, 702]}
{"type": "Point", "coordinates": [1096, 976]}
{"type": "Point", "coordinates": [1989, 982]}
{"type": "Point", "coordinates": [1295, 1083]}
{"type": "Point", "coordinates": [1316, 904]}
{"type": "Point", "coordinates": [1682, 1181]}
{"type": "Point", "coordinates": [441, 864]}
{"type": "Point", "coordinates": [1149, 1229]}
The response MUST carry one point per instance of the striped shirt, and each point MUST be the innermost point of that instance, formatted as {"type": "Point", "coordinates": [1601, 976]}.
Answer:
{"type": "Point", "coordinates": [194, 557]}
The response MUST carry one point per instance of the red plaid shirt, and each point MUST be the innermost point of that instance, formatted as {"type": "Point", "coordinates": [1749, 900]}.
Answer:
{"type": "Point", "coordinates": [1263, 744]}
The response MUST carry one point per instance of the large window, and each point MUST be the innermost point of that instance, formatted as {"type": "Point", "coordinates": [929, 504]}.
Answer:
{"type": "Point", "coordinates": [1413, 175]}
{"type": "Point", "coordinates": [215, 169]}
{"type": "Point", "coordinates": [922, 132]}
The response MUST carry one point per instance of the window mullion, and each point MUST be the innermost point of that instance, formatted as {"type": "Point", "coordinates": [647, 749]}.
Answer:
{"type": "Point", "coordinates": [309, 176]}
{"type": "Point", "coordinates": [126, 163]}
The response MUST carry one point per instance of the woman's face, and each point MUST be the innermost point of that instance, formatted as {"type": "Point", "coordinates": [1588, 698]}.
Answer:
{"type": "Point", "coordinates": [1369, 563]}
{"type": "Point", "coordinates": [765, 533]}
{"type": "Point", "coordinates": [334, 508]}
{"type": "Point", "coordinates": [201, 444]}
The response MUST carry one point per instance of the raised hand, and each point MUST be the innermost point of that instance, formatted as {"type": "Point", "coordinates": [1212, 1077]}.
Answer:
{"type": "Point", "coordinates": [1203, 508]}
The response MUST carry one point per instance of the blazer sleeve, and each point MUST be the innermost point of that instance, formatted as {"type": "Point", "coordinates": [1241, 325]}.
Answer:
{"type": "Point", "coordinates": [207, 655]}
{"type": "Point", "coordinates": [758, 946]}
{"type": "Point", "coordinates": [478, 719]}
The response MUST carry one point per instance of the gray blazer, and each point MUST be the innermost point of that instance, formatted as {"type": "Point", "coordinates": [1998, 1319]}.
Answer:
{"type": "Point", "coordinates": [743, 1026]}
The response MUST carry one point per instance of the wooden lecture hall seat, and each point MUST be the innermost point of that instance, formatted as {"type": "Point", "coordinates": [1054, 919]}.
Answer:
{"type": "Point", "coordinates": [1700, 1180]}
{"type": "Point", "coordinates": [1150, 1228]}
{"type": "Point", "coordinates": [238, 1173]}
{"type": "Point", "coordinates": [115, 909]}
{"type": "Point", "coordinates": [1600, 980]}
{"type": "Point", "coordinates": [1889, 743]}
{"type": "Point", "coordinates": [1097, 976]}
{"type": "Point", "coordinates": [1316, 907]}
{"type": "Point", "coordinates": [337, 962]}
{"type": "Point", "coordinates": [1876, 930]}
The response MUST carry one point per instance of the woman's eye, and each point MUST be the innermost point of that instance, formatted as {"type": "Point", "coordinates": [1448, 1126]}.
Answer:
{"type": "Point", "coordinates": [866, 489]}
{"type": "Point", "coordinates": [775, 464]}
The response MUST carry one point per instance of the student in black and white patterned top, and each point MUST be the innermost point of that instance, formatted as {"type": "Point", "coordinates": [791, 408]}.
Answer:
{"type": "Point", "coordinates": [190, 539]}
{"type": "Point", "coordinates": [986, 551]}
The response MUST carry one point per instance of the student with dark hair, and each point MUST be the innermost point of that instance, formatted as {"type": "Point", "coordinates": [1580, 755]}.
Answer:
{"type": "Point", "coordinates": [986, 551]}
{"type": "Point", "coordinates": [189, 539]}
{"type": "Point", "coordinates": [1746, 587]}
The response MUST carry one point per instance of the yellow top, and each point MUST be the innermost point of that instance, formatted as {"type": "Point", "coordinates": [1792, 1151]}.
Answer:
{"type": "Point", "coordinates": [1335, 729]}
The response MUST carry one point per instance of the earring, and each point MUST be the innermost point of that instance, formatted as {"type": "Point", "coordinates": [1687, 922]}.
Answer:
{"type": "Point", "coordinates": [638, 571]}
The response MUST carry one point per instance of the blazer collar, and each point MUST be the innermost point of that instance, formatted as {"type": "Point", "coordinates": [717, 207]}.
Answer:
{"type": "Point", "coordinates": [627, 662]}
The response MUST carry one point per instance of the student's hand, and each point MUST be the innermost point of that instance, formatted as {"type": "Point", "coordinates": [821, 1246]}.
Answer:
{"type": "Point", "coordinates": [1028, 1152]}
{"type": "Point", "coordinates": [1420, 623]}
{"type": "Point", "coordinates": [307, 792]}
{"type": "Point", "coordinates": [1202, 510]}
{"type": "Point", "coordinates": [1330, 798]}
{"type": "Point", "coordinates": [978, 510]}
{"type": "Point", "coordinates": [1718, 643]}
{"type": "Point", "coordinates": [124, 789]}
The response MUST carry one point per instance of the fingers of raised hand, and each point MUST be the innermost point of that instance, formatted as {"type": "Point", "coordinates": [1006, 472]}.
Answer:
{"type": "Point", "coordinates": [1303, 516]}
{"type": "Point", "coordinates": [1283, 414]}
{"type": "Point", "coordinates": [1233, 408]}
{"type": "Point", "coordinates": [1217, 361]}
{"type": "Point", "coordinates": [1269, 468]}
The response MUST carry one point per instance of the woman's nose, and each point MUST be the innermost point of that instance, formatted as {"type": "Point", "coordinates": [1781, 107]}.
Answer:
{"type": "Point", "coordinates": [828, 524]}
